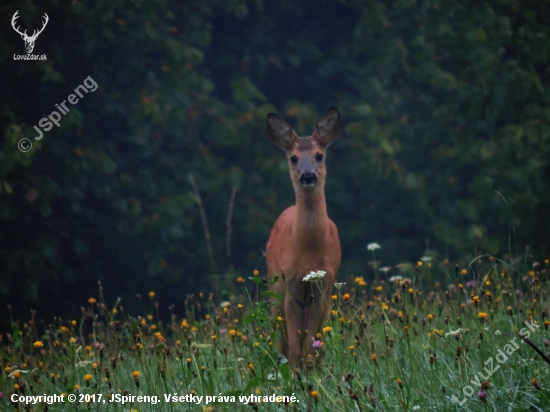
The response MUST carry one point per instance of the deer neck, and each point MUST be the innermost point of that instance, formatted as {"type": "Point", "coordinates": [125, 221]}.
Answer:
{"type": "Point", "coordinates": [311, 218]}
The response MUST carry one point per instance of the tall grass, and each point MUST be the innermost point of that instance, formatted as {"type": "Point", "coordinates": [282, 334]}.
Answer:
{"type": "Point", "coordinates": [412, 341]}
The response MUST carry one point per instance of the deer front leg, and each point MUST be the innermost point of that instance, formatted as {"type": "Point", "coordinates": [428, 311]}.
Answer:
{"type": "Point", "coordinates": [312, 317]}
{"type": "Point", "coordinates": [278, 309]}
{"type": "Point", "coordinates": [316, 316]}
{"type": "Point", "coordinates": [294, 329]}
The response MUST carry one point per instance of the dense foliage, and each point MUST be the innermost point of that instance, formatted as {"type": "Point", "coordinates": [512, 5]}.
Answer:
{"type": "Point", "coordinates": [446, 106]}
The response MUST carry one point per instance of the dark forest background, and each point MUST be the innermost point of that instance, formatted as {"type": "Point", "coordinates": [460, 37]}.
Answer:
{"type": "Point", "coordinates": [446, 106]}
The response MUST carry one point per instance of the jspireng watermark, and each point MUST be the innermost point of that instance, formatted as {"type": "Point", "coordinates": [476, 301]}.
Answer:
{"type": "Point", "coordinates": [46, 123]}
{"type": "Point", "coordinates": [502, 356]}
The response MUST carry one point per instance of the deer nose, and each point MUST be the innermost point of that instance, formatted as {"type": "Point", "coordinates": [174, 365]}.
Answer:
{"type": "Point", "coordinates": [308, 179]}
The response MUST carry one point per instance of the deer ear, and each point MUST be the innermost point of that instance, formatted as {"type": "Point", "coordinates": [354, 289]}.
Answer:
{"type": "Point", "coordinates": [328, 128]}
{"type": "Point", "coordinates": [279, 132]}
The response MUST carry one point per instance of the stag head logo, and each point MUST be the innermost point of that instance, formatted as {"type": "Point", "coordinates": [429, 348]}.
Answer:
{"type": "Point", "coordinates": [29, 40]}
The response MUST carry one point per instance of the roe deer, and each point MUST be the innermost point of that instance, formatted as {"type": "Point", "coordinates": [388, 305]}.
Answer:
{"type": "Point", "coordinates": [303, 238]}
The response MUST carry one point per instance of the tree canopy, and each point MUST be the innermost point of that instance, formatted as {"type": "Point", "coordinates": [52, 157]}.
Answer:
{"type": "Point", "coordinates": [446, 110]}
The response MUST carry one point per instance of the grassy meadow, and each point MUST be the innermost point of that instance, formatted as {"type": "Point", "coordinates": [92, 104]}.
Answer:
{"type": "Point", "coordinates": [423, 336]}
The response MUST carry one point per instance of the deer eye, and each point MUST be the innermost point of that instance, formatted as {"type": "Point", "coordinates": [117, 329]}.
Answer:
{"type": "Point", "coordinates": [294, 160]}
{"type": "Point", "coordinates": [319, 157]}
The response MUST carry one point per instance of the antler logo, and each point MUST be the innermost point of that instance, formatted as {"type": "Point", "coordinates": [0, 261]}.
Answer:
{"type": "Point", "coordinates": [29, 40]}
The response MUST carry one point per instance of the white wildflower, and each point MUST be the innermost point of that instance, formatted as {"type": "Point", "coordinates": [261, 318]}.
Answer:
{"type": "Point", "coordinates": [385, 269]}
{"type": "Point", "coordinates": [497, 332]}
{"type": "Point", "coordinates": [373, 246]}
{"type": "Point", "coordinates": [273, 376]}
{"type": "Point", "coordinates": [225, 304]}
{"type": "Point", "coordinates": [315, 276]}
{"type": "Point", "coordinates": [12, 374]}
{"type": "Point", "coordinates": [396, 277]}
{"type": "Point", "coordinates": [339, 285]}
{"type": "Point", "coordinates": [426, 258]}
{"type": "Point", "coordinates": [453, 332]}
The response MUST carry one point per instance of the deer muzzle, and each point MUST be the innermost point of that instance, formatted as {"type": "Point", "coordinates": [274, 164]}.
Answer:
{"type": "Point", "coordinates": [308, 179]}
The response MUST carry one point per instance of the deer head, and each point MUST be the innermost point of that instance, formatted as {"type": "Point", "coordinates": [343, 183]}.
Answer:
{"type": "Point", "coordinates": [306, 154]}
{"type": "Point", "coordinates": [29, 40]}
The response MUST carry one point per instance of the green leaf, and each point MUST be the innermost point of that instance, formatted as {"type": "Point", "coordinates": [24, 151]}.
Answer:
{"type": "Point", "coordinates": [273, 295]}
{"type": "Point", "coordinates": [284, 369]}
{"type": "Point", "coordinates": [249, 318]}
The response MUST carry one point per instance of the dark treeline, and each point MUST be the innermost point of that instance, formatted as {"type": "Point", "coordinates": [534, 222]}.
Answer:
{"type": "Point", "coordinates": [446, 106]}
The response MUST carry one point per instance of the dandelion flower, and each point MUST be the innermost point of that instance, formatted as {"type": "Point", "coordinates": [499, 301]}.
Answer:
{"type": "Point", "coordinates": [136, 374]}
{"type": "Point", "coordinates": [38, 344]}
